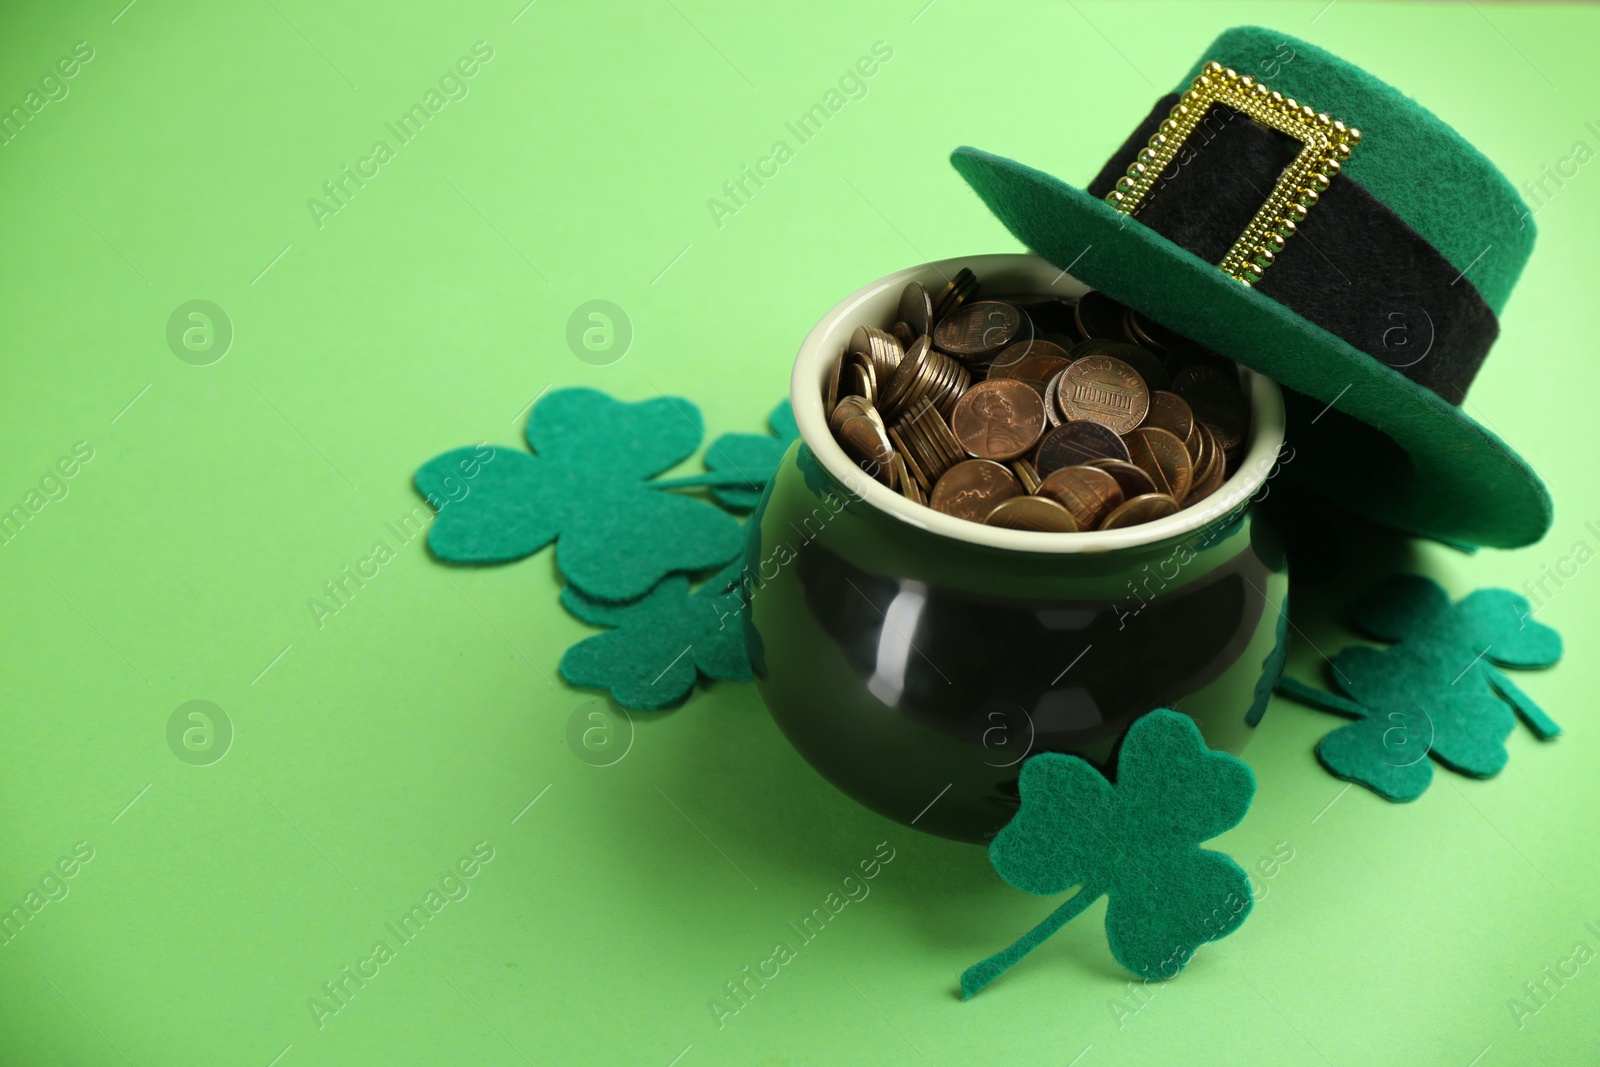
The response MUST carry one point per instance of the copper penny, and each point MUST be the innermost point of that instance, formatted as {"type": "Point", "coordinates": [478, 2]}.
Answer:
{"type": "Point", "coordinates": [864, 439]}
{"type": "Point", "coordinates": [962, 288]}
{"type": "Point", "coordinates": [1146, 508]}
{"type": "Point", "coordinates": [1033, 513]}
{"type": "Point", "coordinates": [922, 480]}
{"type": "Point", "coordinates": [1147, 332]}
{"type": "Point", "coordinates": [1104, 390]}
{"type": "Point", "coordinates": [1053, 315]}
{"type": "Point", "coordinates": [1209, 476]}
{"type": "Point", "coordinates": [1145, 363]}
{"type": "Point", "coordinates": [830, 397]}
{"type": "Point", "coordinates": [878, 345]}
{"type": "Point", "coordinates": [998, 419]}
{"type": "Point", "coordinates": [861, 379]}
{"type": "Point", "coordinates": [904, 481]}
{"type": "Point", "coordinates": [1090, 494]}
{"type": "Point", "coordinates": [1216, 401]}
{"type": "Point", "coordinates": [979, 330]}
{"type": "Point", "coordinates": [916, 309]}
{"type": "Point", "coordinates": [1031, 361]}
{"type": "Point", "coordinates": [905, 377]}
{"type": "Point", "coordinates": [1073, 443]}
{"type": "Point", "coordinates": [845, 408]}
{"type": "Point", "coordinates": [1052, 403]}
{"type": "Point", "coordinates": [1036, 371]}
{"type": "Point", "coordinates": [1133, 481]}
{"type": "Point", "coordinates": [1099, 316]}
{"type": "Point", "coordinates": [1205, 456]}
{"type": "Point", "coordinates": [1162, 456]}
{"type": "Point", "coordinates": [1026, 475]}
{"type": "Point", "coordinates": [972, 489]}
{"type": "Point", "coordinates": [1170, 412]}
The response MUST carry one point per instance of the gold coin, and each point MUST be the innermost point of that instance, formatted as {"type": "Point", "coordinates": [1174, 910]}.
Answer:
{"type": "Point", "coordinates": [972, 489]}
{"type": "Point", "coordinates": [1033, 513]}
{"type": "Point", "coordinates": [998, 419]}
{"type": "Point", "coordinates": [1104, 390]}
{"type": "Point", "coordinates": [1089, 493]}
{"type": "Point", "coordinates": [1162, 456]}
{"type": "Point", "coordinates": [1140, 509]}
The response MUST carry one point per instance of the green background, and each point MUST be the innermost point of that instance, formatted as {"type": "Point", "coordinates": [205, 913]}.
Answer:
{"type": "Point", "coordinates": [372, 753]}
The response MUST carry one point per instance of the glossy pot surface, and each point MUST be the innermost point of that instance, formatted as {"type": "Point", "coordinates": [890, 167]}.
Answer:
{"type": "Point", "coordinates": [915, 659]}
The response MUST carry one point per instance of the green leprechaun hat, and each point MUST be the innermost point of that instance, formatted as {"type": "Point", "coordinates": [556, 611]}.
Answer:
{"type": "Point", "coordinates": [1298, 215]}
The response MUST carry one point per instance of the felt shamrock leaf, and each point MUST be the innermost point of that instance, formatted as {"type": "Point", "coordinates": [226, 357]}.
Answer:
{"type": "Point", "coordinates": [587, 486]}
{"type": "Point", "coordinates": [1437, 692]}
{"type": "Point", "coordinates": [1137, 842]}
{"type": "Point", "coordinates": [752, 457]}
{"type": "Point", "coordinates": [661, 643]}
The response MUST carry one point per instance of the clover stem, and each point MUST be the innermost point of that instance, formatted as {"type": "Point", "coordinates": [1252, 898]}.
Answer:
{"type": "Point", "coordinates": [1318, 698]}
{"type": "Point", "coordinates": [974, 978]}
{"type": "Point", "coordinates": [711, 478]}
{"type": "Point", "coordinates": [1542, 725]}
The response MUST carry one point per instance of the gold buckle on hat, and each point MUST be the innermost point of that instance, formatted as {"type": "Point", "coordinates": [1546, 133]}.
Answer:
{"type": "Point", "coordinates": [1327, 143]}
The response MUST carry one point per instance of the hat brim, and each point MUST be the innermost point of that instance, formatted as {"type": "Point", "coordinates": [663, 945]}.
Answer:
{"type": "Point", "coordinates": [1363, 434]}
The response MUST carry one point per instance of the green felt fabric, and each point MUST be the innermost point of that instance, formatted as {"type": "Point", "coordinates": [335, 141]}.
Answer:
{"type": "Point", "coordinates": [751, 457]}
{"type": "Point", "coordinates": [1136, 841]}
{"type": "Point", "coordinates": [586, 486]}
{"type": "Point", "coordinates": [1402, 144]}
{"type": "Point", "coordinates": [1433, 470]}
{"type": "Point", "coordinates": [1437, 692]}
{"type": "Point", "coordinates": [660, 644]}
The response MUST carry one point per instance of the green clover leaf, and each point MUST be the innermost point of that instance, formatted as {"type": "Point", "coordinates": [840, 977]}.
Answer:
{"type": "Point", "coordinates": [1137, 842]}
{"type": "Point", "coordinates": [752, 457]}
{"type": "Point", "coordinates": [660, 644]}
{"type": "Point", "coordinates": [1438, 692]}
{"type": "Point", "coordinates": [587, 486]}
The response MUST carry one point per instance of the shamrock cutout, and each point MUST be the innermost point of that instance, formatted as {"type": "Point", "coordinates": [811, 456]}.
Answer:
{"type": "Point", "coordinates": [1137, 841]}
{"type": "Point", "coordinates": [1437, 692]}
{"type": "Point", "coordinates": [661, 643]}
{"type": "Point", "coordinates": [588, 486]}
{"type": "Point", "coordinates": [752, 457]}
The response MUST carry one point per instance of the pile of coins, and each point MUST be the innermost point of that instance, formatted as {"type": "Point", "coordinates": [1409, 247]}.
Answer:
{"type": "Point", "coordinates": [1036, 413]}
